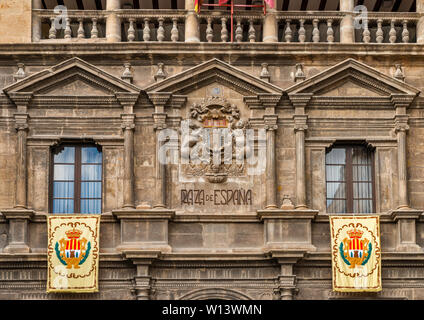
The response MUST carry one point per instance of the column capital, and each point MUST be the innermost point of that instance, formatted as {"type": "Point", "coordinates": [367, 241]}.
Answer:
{"type": "Point", "coordinates": [21, 121]}
{"type": "Point", "coordinates": [401, 123]}
{"type": "Point", "coordinates": [300, 122]}
{"type": "Point", "coordinates": [270, 122]}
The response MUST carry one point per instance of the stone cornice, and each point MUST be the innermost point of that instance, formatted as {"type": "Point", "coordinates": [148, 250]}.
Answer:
{"type": "Point", "coordinates": [137, 49]}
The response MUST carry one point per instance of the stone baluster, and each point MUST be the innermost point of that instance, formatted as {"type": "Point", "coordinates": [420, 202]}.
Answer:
{"type": "Point", "coordinates": [315, 32]}
{"type": "Point", "coordinates": [330, 31]}
{"type": "Point", "coordinates": [270, 24]}
{"type": "Point", "coordinates": [36, 21]}
{"type": "Point", "coordinates": [366, 35]}
{"type": "Point", "coordinates": [265, 75]}
{"type": "Point", "coordinates": [420, 24]}
{"type": "Point", "coordinates": [347, 31]}
{"type": "Point", "coordinates": [302, 31]}
{"type": "Point", "coordinates": [113, 22]}
{"type": "Point", "coordinates": [300, 102]}
{"type": "Point", "coordinates": [68, 31]}
{"type": "Point", "coordinates": [174, 31]}
{"type": "Point", "coordinates": [209, 30]}
{"type": "Point", "coordinates": [94, 31]}
{"type": "Point", "coordinates": [161, 30]}
{"type": "Point", "coordinates": [239, 31]}
{"type": "Point", "coordinates": [224, 31]}
{"type": "Point", "coordinates": [405, 32]}
{"type": "Point", "coordinates": [379, 33]}
{"type": "Point", "coordinates": [81, 33]}
{"type": "Point", "coordinates": [52, 31]}
{"type": "Point", "coordinates": [192, 28]}
{"type": "Point", "coordinates": [146, 30]}
{"type": "Point", "coordinates": [131, 30]}
{"type": "Point", "coordinates": [392, 33]}
{"type": "Point", "coordinates": [288, 33]}
{"type": "Point", "coordinates": [252, 31]}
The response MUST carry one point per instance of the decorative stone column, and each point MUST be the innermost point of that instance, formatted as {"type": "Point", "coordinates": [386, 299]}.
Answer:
{"type": "Point", "coordinates": [19, 216]}
{"type": "Point", "coordinates": [347, 31]}
{"type": "Point", "coordinates": [113, 22]}
{"type": "Point", "coordinates": [159, 100]}
{"type": "Point", "coordinates": [300, 101]}
{"type": "Point", "coordinates": [271, 190]}
{"type": "Point", "coordinates": [404, 215]}
{"type": "Point", "coordinates": [36, 21]}
{"type": "Point", "coordinates": [420, 24]}
{"type": "Point", "coordinates": [127, 101]}
{"type": "Point", "coordinates": [269, 102]}
{"type": "Point", "coordinates": [401, 128]}
{"type": "Point", "coordinates": [270, 25]}
{"type": "Point", "coordinates": [128, 126]}
{"type": "Point", "coordinates": [192, 29]}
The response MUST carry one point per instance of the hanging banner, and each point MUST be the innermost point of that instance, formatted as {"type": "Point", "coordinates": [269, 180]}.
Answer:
{"type": "Point", "coordinates": [356, 253]}
{"type": "Point", "coordinates": [197, 4]}
{"type": "Point", "coordinates": [73, 253]}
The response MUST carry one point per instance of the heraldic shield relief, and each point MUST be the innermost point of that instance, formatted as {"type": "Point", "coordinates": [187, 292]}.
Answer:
{"type": "Point", "coordinates": [73, 253]}
{"type": "Point", "coordinates": [356, 253]}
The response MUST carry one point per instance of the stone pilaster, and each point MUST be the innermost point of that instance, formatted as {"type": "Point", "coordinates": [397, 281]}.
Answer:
{"type": "Point", "coordinates": [270, 25]}
{"type": "Point", "coordinates": [347, 31]}
{"type": "Point", "coordinates": [420, 24]}
{"type": "Point", "coordinates": [127, 101]}
{"type": "Point", "coordinates": [159, 100]}
{"type": "Point", "coordinates": [113, 22]}
{"type": "Point", "coordinates": [300, 119]}
{"type": "Point", "coordinates": [21, 124]}
{"type": "Point", "coordinates": [192, 29]}
{"type": "Point", "coordinates": [401, 103]}
{"type": "Point", "coordinates": [269, 102]}
{"type": "Point", "coordinates": [128, 126]}
{"type": "Point", "coordinates": [404, 215]}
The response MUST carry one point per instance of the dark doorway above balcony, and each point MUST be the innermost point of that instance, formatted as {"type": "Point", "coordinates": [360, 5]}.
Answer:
{"type": "Point", "coordinates": [283, 5]}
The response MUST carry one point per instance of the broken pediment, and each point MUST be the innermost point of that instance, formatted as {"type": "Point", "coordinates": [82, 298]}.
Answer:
{"type": "Point", "coordinates": [352, 78]}
{"type": "Point", "coordinates": [214, 71]}
{"type": "Point", "coordinates": [73, 77]}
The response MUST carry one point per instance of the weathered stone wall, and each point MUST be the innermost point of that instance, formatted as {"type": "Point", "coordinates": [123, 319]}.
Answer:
{"type": "Point", "coordinates": [212, 252]}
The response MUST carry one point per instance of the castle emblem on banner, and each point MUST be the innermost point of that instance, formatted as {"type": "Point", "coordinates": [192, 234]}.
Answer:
{"type": "Point", "coordinates": [354, 250]}
{"type": "Point", "coordinates": [356, 253]}
{"type": "Point", "coordinates": [73, 253]}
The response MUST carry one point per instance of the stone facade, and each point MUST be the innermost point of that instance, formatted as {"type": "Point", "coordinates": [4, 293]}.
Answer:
{"type": "Point", "coordinates": [276, 244]}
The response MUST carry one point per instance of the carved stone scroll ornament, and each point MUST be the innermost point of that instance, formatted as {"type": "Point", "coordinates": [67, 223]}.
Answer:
{"type": "Point", "coordinates": [216, 112]}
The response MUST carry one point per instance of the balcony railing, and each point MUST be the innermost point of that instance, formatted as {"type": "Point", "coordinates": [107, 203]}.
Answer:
{"type": "Point", "coordinates": [215, 26]}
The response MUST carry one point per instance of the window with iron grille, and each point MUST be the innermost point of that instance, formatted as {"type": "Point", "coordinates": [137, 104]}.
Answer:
{"type": "Point", "coordinates": [350, 179]}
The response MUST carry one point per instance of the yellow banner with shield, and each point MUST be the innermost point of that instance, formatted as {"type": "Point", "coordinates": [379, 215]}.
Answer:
{"type": "Point", "coordinates": [356, 253]}
{"type": "Point", "coordinates": [73, 253]}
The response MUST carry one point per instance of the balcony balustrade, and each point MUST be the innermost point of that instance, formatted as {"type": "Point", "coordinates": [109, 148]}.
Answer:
{"type": "Point", "coordinates": [140, 25]}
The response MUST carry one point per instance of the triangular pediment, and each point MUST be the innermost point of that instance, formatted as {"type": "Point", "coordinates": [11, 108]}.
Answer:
{"type": "Point", "coordinates": [214, 71]}
{"type": "Point", "coordinates": [352, 78]}
{"type": "Point", "coordinates": [73, 77]}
